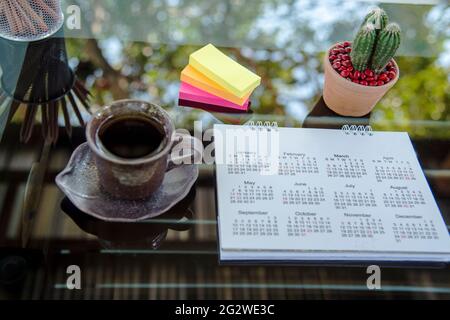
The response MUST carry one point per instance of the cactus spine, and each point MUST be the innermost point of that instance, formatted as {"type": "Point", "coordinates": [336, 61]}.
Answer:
{"type": "Point", "coordinates": [386, 46]}
{"type": "Point", "coordinates": [362, 47]}
{"type": "Point", "coordinates": [377, 17]}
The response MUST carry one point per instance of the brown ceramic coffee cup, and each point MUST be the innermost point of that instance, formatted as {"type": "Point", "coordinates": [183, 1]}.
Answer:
{"type": "Point", "coordinates": [132, 142]}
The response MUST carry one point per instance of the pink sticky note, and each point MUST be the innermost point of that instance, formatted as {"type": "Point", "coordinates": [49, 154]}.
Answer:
{"type": "Point", "coordinates": [188, 92]}
{"type": "Point", "coordinates": [210, 107]}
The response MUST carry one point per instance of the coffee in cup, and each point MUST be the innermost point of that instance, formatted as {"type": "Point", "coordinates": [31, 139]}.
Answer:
{"type": "Point", "coordinates": [131, 137]}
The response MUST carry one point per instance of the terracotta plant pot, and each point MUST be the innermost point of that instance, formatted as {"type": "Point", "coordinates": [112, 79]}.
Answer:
{"type": "Point", "coordinates": [348, 98]}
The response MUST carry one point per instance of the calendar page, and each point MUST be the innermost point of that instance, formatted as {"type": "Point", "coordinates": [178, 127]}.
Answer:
{"type": "Point", "coordinates": [319, 193]}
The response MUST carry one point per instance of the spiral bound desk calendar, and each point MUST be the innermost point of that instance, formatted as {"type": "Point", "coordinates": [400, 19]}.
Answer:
{"type": "Point", "coordinates": [336, 196]}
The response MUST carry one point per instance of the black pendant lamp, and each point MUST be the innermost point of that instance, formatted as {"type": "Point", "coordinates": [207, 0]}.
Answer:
{"type": "Point", "coordinates": [35, 71]}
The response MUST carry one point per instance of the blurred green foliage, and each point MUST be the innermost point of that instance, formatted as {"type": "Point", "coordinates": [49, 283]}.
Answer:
{"type": "Point", "coordinates": [288, 60]}
{"type": "Point", "coordinates": [419, 102]}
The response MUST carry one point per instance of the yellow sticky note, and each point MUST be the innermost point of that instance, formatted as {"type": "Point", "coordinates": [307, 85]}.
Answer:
{"type": "Point", "coordinates": [223, 70]}
{"type": "Point", "coordinates": [196, 79]}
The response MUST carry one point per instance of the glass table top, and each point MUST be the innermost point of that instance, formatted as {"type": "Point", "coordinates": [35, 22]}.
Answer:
{"type": "Point", "coordinates": [137, 49]}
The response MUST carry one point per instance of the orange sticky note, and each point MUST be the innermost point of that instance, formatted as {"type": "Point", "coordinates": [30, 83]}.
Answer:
{"type": "Point", "coordinates": [191, 76]}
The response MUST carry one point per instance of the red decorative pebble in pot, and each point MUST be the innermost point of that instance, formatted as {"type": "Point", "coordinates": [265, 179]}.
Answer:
{"type": "Point", "coordinates": [344, 61]}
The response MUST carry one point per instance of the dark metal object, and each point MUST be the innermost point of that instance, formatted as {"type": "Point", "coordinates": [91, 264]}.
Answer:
{"type": "Point", "coordinates": [37, 76]}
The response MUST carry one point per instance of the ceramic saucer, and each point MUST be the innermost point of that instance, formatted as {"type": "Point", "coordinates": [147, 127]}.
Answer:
{"type": "Point", "coordinates": [79, 182]}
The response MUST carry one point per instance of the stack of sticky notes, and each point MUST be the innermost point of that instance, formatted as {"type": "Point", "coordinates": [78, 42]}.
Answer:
{"type": "Point", "coordinates": [212, 81]}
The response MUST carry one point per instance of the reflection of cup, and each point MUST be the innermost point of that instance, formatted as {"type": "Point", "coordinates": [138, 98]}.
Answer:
{"type": "Point", "coordinates": [149, 234]}
{"type": "Point", "coordinates": [131, 141]}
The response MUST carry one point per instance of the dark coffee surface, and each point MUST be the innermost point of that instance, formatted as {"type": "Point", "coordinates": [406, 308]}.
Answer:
{"type": "Point", "coordinates": [132, 136]}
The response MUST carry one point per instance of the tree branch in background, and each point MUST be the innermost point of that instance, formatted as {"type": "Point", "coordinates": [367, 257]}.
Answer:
{"type": "Point", "coordinates": [118, 82]}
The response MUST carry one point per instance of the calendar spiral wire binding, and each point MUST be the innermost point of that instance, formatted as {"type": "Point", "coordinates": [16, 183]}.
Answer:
{"type": "Point", "coordinates": [357, 130]}
{"type": "Point", "coordinates": [263, 125]}
{"type": "Point", "coordinates": [348, 129]}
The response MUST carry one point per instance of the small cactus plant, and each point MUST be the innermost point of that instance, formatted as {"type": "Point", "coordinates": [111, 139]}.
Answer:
{"type": "Point", "coordinates": [375, 53]}
{"type": "Point", "coordinates": [386, 46]}
{"type": "Point", "coordinates": [359, 73]}
{"type": "Point", "coordinates": [368, 60]}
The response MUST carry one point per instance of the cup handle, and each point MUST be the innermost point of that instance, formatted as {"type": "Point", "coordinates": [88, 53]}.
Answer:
{"type": "Point", "coordinates": [185, 150]}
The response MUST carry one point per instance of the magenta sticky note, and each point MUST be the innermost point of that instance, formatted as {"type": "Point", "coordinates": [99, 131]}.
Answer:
{"type": "Point", "coordinates": [211, 107]}
{"type": "Point", "coordinates": [191, 93]}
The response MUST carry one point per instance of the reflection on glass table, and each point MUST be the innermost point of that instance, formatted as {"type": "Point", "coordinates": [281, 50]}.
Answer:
{"type": "Point", "coordinates": [148, 234]}
{"type": "Point", "coordinates": [284, 43]}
